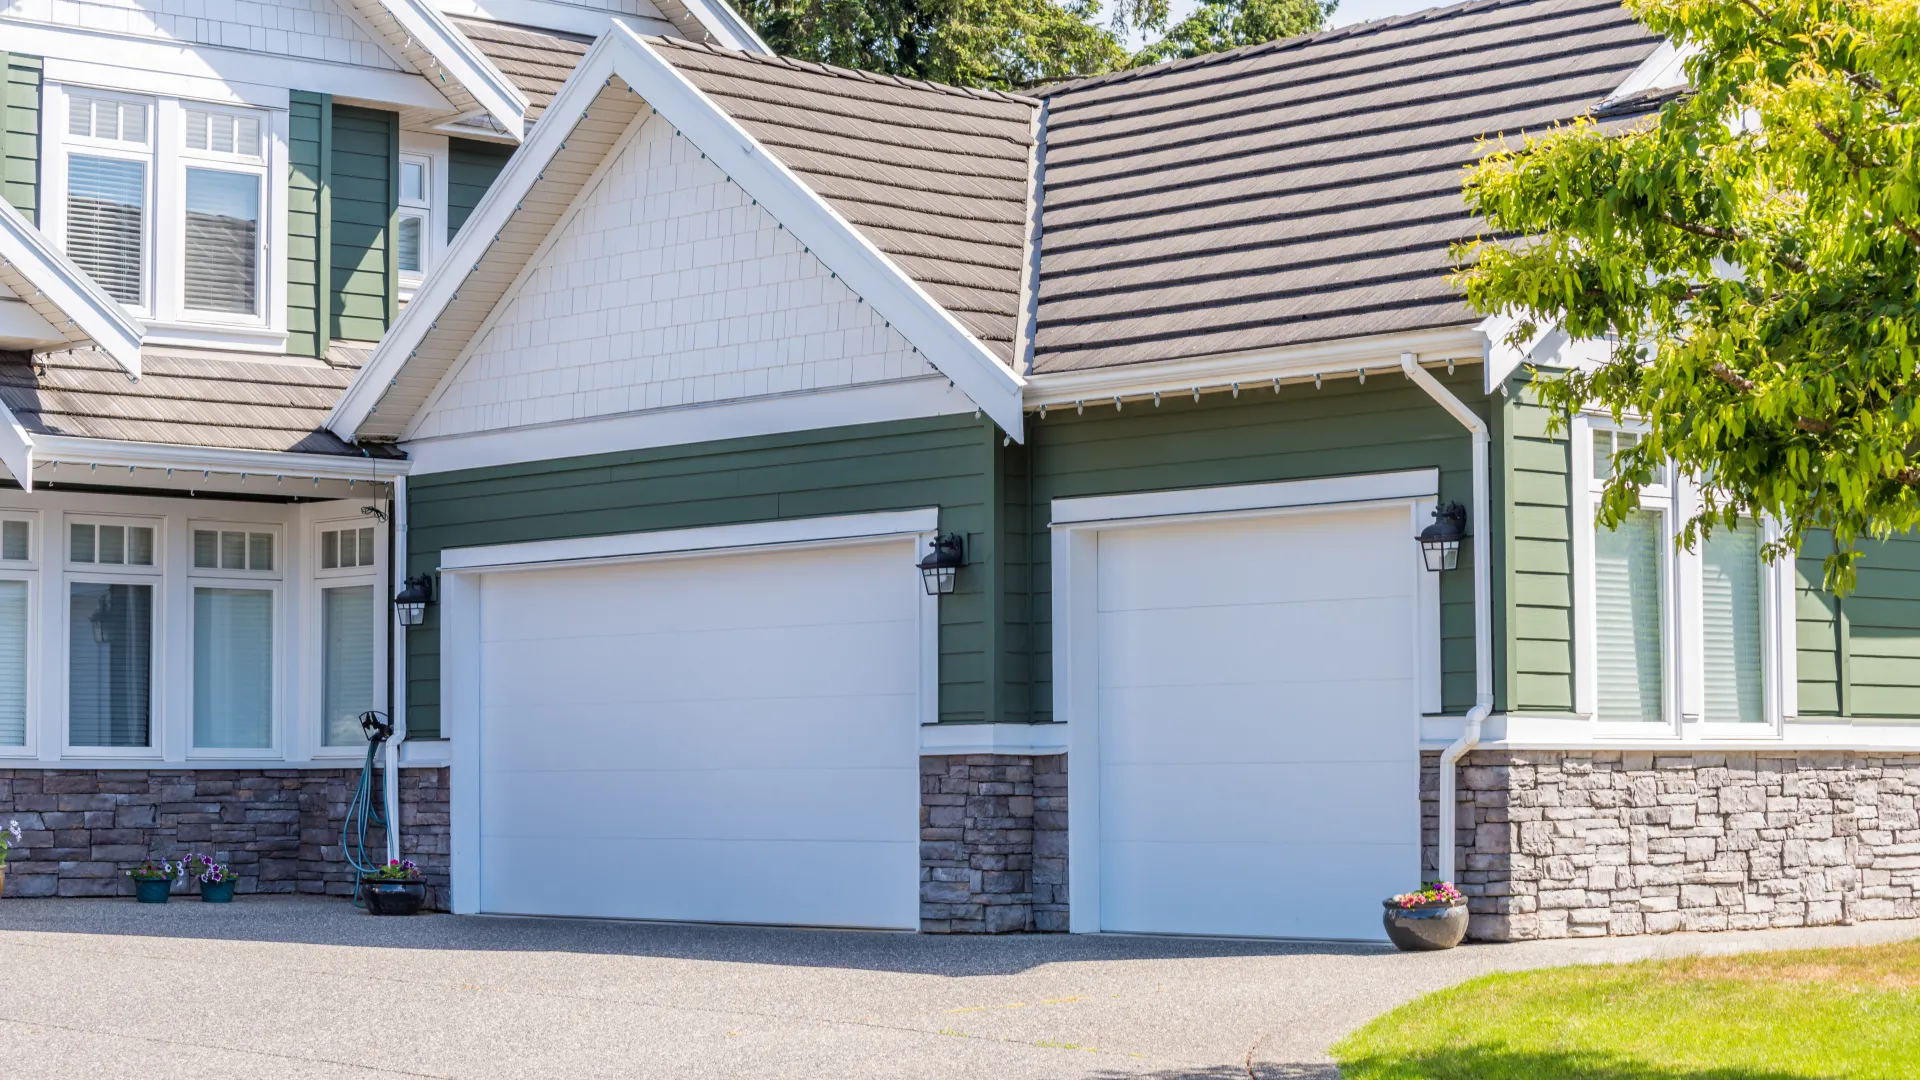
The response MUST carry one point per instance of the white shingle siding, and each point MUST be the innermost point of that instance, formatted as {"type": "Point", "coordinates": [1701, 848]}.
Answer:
{"type": "Point", "coordinates": [669, 287]}
{"type": "Point", "coordinates": [309, 29]}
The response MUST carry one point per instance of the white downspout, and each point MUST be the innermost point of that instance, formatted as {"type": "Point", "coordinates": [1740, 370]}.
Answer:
{"type": "Point", "coordinates": [1482, 608]}
{"type": "Point", "coordinates": [397, 643]}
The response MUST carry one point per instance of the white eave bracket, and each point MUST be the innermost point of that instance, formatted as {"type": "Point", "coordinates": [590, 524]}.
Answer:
{"type": "Point", "coordinates": [1549, 347]}
{"type": "Point", "coordinates": [451, 63]}
{"type": "Point", "coordinates": [62, 294]}
{"type": "Point", "coordinates": [16, 449]}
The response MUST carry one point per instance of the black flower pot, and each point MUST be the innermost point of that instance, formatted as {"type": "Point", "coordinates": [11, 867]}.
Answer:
{"type": "Point", "coordinates": [394, 897]}
{"type": "Point", "coordinates": [1425, 928]}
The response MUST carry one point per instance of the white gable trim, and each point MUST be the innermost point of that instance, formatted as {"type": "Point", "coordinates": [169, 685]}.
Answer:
{"type": "Point", "coordinates": [1666, 69]}
{"type": "Point", "coordinates": [870, 274]}
{"type": "Point", "coordinates": [444, 56]}
{"type": "Point", "coordinates": [16, 449]}
{"type": "Point", "coordinates": [64, 295]}
{"type": "Point", "coordinates": [729, 30]}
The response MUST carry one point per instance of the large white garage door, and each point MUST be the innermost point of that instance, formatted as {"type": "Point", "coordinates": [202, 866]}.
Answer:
{"type": "Point", "coordinates": [723, 738]}
{"type": "Point", "coordinates": [1258, 724]}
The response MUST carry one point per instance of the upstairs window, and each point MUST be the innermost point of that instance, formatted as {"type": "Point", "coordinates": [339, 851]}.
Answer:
{"type": "Point", "coordinates": [107, 192]}
{"type": "Point", "coordinates": [414, 222]}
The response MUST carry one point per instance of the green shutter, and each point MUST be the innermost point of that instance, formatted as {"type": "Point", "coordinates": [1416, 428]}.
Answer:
{"type": "Point", "coordinates": [471, 169]}
{"type": "Point", "coordinates": [20, 133]}
{"type": "Point", "coordinates": [362, 188]}
{"type": "Point", "coordinates": [308, 232]}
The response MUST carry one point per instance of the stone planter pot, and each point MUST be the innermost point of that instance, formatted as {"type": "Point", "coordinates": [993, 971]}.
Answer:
{"type": "Point", "coordinates": [216, 892]}
{"type": "Point", "coordinates": [1424, 929]}
{"type": "Point", "coordinates": [394, 897]}
{"type": "Point", "coordinates": [152, 890]}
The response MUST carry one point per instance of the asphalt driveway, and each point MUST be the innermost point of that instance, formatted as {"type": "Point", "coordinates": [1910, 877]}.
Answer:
{"type": "Point", "coordinates": [299, 988]}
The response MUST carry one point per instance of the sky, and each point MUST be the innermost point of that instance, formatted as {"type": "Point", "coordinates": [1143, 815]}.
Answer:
{"type": "Point", "coordinates": [1349, 11]}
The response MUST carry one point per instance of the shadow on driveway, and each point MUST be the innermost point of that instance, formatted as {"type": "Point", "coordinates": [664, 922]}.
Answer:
{"type": "Point", "coordinates": [326, 921]}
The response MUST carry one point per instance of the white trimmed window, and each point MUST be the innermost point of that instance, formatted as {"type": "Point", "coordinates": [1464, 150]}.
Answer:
{"type": "Point", "coordinates": [113, 583]}
{"type": "Point", "coordinates": [223, 183]}
{"type": "Point", "coordinates": [108, 175]}
{"type": "Point", "coordinates": [17, 588]}
{"type": "Point", "coordinates": [235, 585]}
{"type": "Point", "coordinates": [414, 221]}
{"type": "Point", "coordinates": [350, 610]}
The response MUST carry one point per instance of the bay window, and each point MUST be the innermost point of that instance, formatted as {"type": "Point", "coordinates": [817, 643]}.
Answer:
{"type": "Point", "coordinates": [351, 611]}
{"type": "Point", "coordinates": [233, 637]}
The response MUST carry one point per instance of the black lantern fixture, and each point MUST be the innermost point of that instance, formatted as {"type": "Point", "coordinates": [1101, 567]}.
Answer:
{"type": "Point", "coordinates": [1440, 541]}
{"type": "Point", "coordinates": [942, 565]}
{"type": "Point", "coordinates": [410, 606]}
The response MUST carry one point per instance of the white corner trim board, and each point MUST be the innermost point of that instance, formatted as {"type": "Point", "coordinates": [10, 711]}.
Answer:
{"type": "Point", "coordinates": [63, 294]}
{"type": "Point", "coordinates": [621, 53]}
{"type": "Point", "coordinates": [757, 534]}
{"type": "Point", "coordinates": [1320, 491]}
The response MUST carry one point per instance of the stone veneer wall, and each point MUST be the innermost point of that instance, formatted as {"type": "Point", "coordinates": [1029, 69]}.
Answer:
{"type": "Point", "coordinates": [993, 843]}
{"type": "Point", "coordinates": [279, 828]}
{"type": "Point", "coordinates": [1590, 843]}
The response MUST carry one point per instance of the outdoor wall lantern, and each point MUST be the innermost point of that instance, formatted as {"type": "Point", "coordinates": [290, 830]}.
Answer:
{"type": "Point", "coordinates": [942, 565]}
{"type": "Point", "coordinates": [411, 604]}
{"type": "Point", "coordinates": [1440, 541]}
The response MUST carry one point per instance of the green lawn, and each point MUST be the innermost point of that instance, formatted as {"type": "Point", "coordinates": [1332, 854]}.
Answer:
{"type": "Point", "coordinates": [1852, 1013]}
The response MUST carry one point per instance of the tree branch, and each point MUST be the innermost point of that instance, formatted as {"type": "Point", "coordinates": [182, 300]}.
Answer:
{"type": "Point", "coordinates": [1733, 378]}
{"type": "Point", "coordinates": [1853, 159]}
{"type": "Point", "coordinates": [1727, 236]}
{"type": "Point", "coordinates": [1813, 427]}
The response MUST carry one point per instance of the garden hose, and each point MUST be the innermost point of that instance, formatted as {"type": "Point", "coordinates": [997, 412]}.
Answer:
{"type": "Point", "coordinates": [361, 812]}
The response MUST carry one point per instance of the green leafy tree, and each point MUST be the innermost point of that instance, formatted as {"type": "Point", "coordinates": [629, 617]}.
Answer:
{"type": "Point", "coordinates": [1217, 25]}
{"type": "Point", "coordinates": [1753, 253]}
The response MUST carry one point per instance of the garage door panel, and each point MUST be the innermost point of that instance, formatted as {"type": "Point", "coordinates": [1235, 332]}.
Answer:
{"type": "Point", "coordinates": [1323, 721]}
{"type": "Point", "coordinates": [709, 804]}
{"type": "Point", "coordinates": [805, 883]}
{"type": "Point", "coordinates": [1320, 556]}
{"type": "Point", "coordinates": [1260, 801]}
{"type": "Point", "coordinates": [699, 735]}
{"type": "Point", "coordinates": [1309, 890]}
{"type": "Point", "coordinates": [784, 662]}
{"type": "Point", "coordinates": [1256, 642]}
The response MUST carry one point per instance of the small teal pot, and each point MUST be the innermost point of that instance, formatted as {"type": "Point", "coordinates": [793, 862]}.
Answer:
{"type": "Point", "coordinates": [152, 890]}
{"type": "Point", "coordinates": [216, 892]}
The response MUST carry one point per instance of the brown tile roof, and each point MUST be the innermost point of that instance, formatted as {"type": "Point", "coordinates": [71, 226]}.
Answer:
{"type": "Point", "coordinates": [934, 176]}
{"type": "Point", "coordinates": [1301, 190]}
{"type": "Point", "coordinates": [195, 399]}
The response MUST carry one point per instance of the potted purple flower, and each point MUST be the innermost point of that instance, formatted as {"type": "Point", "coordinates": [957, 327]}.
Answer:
{"type": "Point", "coordinates": [153, 882]}
{"type": "Point", "coordinates": [394, 889]}
{"type": "Point", "coordinates": [216, 881]}
{"type": "Point", "coordinates": [8, 837]}
{"type": "Point", "coordinates": [1432, 918]}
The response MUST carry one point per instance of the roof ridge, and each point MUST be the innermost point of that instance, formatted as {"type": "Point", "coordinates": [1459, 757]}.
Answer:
{"type": "Point", "coordinates": [845, 73]}
{"type": "Point", "coordinates": [1335, 33]}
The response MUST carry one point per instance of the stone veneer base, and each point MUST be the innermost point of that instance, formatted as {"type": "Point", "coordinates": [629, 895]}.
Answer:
{"type": "Point", "coordinates": [279, 828]}
{"type": "Point", "coordinates": [1589, 843]}
{"type": "Point", "coordinates": [993, 843]}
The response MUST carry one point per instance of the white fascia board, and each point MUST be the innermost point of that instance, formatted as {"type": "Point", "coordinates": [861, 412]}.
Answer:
{"type": "Point", "coordinates": [938, 336]}
{"type": "Point", "coordinates": [169, 456]}
{"type": "Point", "coordinates": [554, 15]}
{"type": "Point", "coordinates": [729, 30]}
{"type": "Point", "coordinates": [756, 534]}
{"type": "Point", "coordinates": [1665, 69]}
{"type": "Point", "coordinates": [21, 327]}
{"type": "Point", "coordinates": [16, 449]}
{"type": "Point", "coordinates": [85, 313]}
{"type": "Point", "coordinates": [462, 61]}
{"type": "Point", "coordinates": [1252, 369]}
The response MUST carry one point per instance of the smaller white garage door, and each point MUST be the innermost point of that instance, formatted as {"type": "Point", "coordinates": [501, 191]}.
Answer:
{"type": "Point", "coordinates": [1258, 713]}
{"type": "Point", "coordinates": [723, 738]}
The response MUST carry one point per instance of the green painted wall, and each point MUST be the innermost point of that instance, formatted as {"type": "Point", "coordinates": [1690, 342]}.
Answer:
{"type": "Point", "coordinates": [1534, 602]}
{"type": "Point", "coordinates": [1859, 656]}
{"type": "Point", "coordinates": [310, 145]}
{"type": "Point", "coordinates": [1261, 436]}
{"type": "Point", "coordinates": [363, 190]}
{"type": "Point", "coordinates": [20, 133]}
{"type": "Point", "coordinates": [947, 462]}
{"type": "Point", "coordinates": [471, 169]}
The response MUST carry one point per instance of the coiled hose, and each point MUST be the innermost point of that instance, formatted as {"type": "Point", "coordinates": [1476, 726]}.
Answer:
{"type": "Point", "coordinates": [363, 810]}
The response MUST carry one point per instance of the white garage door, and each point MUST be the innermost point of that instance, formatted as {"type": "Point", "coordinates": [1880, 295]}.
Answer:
{"type": "Point", "coordinates": [1258, 724]}
{"type": "Point", "coordinates": [723, 738]}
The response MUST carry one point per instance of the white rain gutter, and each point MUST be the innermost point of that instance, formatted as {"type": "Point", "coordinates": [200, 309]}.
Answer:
{"type": "Point", "coordinates": [1482, 608]}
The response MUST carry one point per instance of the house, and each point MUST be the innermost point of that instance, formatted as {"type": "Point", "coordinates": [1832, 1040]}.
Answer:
{"type": "Point", "coordinates": [736, 356]}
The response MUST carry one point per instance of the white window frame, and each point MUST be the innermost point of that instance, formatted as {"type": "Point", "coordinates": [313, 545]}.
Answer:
{"type": "Point", "coordinates": [1683, 650]}
{"type": "Point", "coordinates": [433, 150]}
{"type": "Point", "coordinates": [28, 570]}
{"type": "Point", "coordinates": [154, 575]}
{"type": "Point", "coordinates": [260, 580]}
{"type": "Point", "coordinates": [315, 663]}
{"type": "Point", "coordinates": [163, 273]}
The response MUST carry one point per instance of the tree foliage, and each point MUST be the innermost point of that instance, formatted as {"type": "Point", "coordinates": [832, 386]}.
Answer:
{"type": "Point", "coordinates": [1217, 25]}
{"type": "Point", "coordinates": [1754, 256]}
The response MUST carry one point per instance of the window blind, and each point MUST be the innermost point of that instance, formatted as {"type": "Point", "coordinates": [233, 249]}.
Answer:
{"type": "Point", "coordinates": [411, 229]}
{"type": "Point", "coordinates": [1730, 627]}
{"type": "Point", "coordinates": [106, 118]}
{"type": "Point", "coordinates": [347, 643]}
{"type": "Point", "coordinates": [109, 664]}
{"type": "Point", "coordinates": [223, 238]}
{"type": "Point", "coordinates": [223, 133]}
{"type": "Point", "coordinates": [1627, 619]}
{"type": "Point", "coordinates": [13, 663]}
{"type": "Point", "coordinates": [232, 668]}
{"type": "Point", "coordinates": [106, 222]}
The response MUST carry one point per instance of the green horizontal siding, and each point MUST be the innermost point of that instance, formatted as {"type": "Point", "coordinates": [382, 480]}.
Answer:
{"type": "Point", "coordinates": [20, 133]}
{"type": "Point", "coordinates": [309, 150]}
{"type": "Point", "coordinates": [1343, 429]}
{"type": "Point", "coordinates": [946, 462]}
{"type": "Point", "coordinates": [362, 190]}
{"type": "Point", "coordinates": [472, 168]}
{"type": "Point", "coordinates": [1537, 607]}
{"type": "Point", "coordinates": [1859, 655]}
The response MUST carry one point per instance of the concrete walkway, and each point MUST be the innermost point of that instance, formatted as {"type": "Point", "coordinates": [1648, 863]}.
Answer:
{"type": "Point", "coordinates": [299, 988]}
